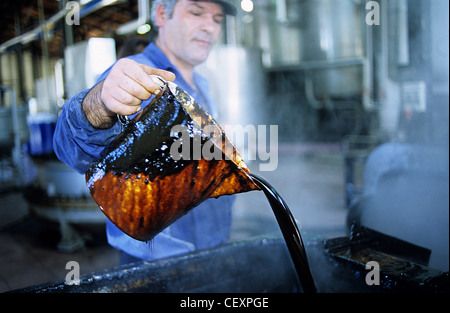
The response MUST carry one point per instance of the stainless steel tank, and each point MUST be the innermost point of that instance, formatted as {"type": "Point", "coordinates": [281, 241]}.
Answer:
{"type": "Point", "coordinates": [237, 84]}
{"type": "Point", "coordinates": [324, 37]}
{"type": "Point", "coordinates": [279, 32]}
{"type": "Point", "coordinates": [237, 79]}
{"type": "Point", "coordinates": [59, 194]}
{"type": "Point", "coordinates": [333, 31]}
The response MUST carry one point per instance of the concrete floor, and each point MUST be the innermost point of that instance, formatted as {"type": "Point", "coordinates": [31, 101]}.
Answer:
{"type": "Point", "coordinates": [310, 178]}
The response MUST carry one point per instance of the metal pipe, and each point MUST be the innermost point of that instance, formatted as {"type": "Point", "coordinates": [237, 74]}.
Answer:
{"type": "Point", "coordinates": [309, 91]}
{"type": "Point", "coordinates": [33, 34]}
{"type": "Point", "coordinates": [44, 46]}
{"type": "Point", "coordinates": [322, 64]}
{"type": "Point", "coordinates": [143, 18]}
{"type": "Point", "coordinates": [16, 152]}
{"type": "Point", "coordinates": [51, 22]}
{"type": "Point", "coordinates": [402, 29]}
{"type": "Point", "coordinates": [281, 11]}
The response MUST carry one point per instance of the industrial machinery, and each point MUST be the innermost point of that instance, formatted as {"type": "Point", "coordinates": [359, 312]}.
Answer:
{"type": "Point", "coordinates": [58, 193]}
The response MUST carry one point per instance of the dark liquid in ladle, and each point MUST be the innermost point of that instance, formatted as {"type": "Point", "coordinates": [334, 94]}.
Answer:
{"type": "Point", "coordinates": [290, 233]}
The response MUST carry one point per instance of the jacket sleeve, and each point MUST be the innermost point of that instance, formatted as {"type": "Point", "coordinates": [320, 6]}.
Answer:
{"type": "Point", "coordinates": [75, 141]}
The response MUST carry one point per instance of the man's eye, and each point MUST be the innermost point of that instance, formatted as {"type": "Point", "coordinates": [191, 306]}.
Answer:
{"type": "Point", "coordinates": [195, 13]}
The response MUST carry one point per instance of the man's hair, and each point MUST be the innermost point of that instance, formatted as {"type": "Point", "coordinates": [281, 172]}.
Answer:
{"type": "Point", "coordinates": [168, 7]}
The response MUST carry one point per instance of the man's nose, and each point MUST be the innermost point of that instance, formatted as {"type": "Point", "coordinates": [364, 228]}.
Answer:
{"type": "Point", "coordinates": [209, 24]}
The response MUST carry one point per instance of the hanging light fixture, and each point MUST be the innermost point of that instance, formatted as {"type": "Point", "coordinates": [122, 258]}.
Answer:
{"type": "Point", "coordinates": [143, 29]}
{"type": "Point", "coordinates": [247, 5]}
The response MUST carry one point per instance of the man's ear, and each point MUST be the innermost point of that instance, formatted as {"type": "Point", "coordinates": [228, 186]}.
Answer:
{"type": "Point", "coordinates": [160, 16]}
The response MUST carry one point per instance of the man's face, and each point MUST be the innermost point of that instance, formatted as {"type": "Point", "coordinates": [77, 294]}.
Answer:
{"type": "Point", "coordinates": [192, 31]}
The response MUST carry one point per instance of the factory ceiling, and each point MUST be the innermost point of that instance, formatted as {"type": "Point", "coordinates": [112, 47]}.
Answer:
{"type": "Point", "coordinates": [20, 17]}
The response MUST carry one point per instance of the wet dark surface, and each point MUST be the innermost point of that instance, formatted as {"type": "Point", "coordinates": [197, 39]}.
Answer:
{"type": "Point", "coordinates": [223, 269]}
{"type": "Point", "coordinates": [263, 264]}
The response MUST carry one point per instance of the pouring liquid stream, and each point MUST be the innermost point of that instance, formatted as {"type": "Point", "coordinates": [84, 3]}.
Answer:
{"type": "Point", "coordinates": [290, 233]}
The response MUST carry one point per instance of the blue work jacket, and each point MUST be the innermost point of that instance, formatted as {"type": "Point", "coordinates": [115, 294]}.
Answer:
{"type": "Point", "coordinates": [77, 143]}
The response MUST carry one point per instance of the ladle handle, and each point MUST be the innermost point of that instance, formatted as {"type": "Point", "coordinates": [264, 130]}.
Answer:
{"type": "Point", "coordinates": [162, 84]}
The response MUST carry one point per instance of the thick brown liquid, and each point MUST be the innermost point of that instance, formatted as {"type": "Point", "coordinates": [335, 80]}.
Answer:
{"type": "Point", "coordinates": [290, 233]}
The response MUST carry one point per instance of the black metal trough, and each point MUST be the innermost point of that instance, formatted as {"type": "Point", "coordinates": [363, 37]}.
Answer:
{"type": "Point", "coordinates": [264, 265]}
{"type": "Point", "coordinates": [256, 265]}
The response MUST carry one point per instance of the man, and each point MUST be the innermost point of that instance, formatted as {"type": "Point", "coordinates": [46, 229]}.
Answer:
{"type": "Point", "coordinates": [187, 30]}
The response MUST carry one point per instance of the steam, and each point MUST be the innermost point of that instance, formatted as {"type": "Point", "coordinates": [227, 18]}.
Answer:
{"type": "Point", "coordinates": [409, 199]}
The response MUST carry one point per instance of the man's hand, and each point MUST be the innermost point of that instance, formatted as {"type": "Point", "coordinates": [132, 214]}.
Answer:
{"type": "Point", "coordinates": [126, 86]}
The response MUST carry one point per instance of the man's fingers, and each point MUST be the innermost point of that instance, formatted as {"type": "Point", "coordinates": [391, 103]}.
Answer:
{"type": "Point", "coordinates": [141, 75]}
{"type": "Point", "coordinates": [118, 107]}
{"type": "Point", "coordinates": [118, 99]}
{"type": "Point", "coordinates": [126, 98]}
{"type": "Point", "coordinates": [134, 88]}
{"type": "Point", "coordinates": [128, 84]}
{"type": "Point", "coordinates": [154, 71]}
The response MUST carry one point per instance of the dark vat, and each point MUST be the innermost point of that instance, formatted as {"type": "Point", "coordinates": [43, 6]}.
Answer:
{"type": "Point", "coordinates": [263, 264]}
{"type": "Point", "coordinates": [258, 265]}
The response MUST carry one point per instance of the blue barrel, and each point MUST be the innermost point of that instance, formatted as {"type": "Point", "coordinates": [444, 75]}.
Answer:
{"type": "Point", "coordinates": [41, 127]}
